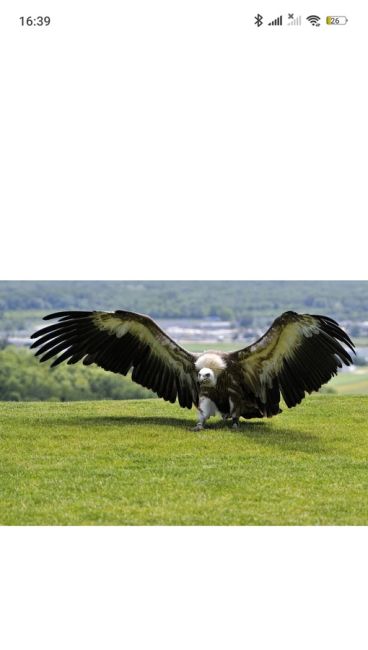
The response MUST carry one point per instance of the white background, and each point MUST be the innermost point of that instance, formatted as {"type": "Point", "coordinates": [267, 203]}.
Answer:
{"type": "Point", "coordinates": [176, 140]}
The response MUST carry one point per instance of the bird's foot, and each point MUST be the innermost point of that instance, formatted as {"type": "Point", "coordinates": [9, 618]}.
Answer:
{"type": "Point", "coordinates": [198, 427]}
{"type": "Point", "coordinates": [235, 424]}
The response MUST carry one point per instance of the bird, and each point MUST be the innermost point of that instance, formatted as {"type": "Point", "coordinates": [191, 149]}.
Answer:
{"type": "Point", "coordinates": [296, 355]}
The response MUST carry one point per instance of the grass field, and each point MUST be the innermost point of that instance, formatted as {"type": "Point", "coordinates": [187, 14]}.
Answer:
{"type": "Point", "coordinates": [137, 462]}
{"type": "Point", "coordinates": [350, 383]}
{"type": "Point", "coordinates": [221, 346]}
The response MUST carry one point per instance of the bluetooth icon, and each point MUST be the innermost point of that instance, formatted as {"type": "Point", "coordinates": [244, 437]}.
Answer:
{"type": "Point", "coordinates": [258, 19]}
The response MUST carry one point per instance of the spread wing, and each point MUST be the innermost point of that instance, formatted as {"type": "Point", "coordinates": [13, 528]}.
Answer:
{"type": "Point", "coordinates": [297, 355]}
{"type": "Point", "coordinates": [118, 341]}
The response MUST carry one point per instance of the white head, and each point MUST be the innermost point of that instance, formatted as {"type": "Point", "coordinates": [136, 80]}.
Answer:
{"type": "Point", "coordinates": [206, 377]}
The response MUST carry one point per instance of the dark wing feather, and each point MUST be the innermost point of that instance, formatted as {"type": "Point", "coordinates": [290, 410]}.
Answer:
{"type": "Point", "coordinates": [119, 341]}
{"type": "Point", "coordinates": [298, 354]}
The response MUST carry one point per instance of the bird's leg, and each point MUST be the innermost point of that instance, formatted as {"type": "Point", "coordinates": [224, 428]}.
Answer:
{"type": "Point", "coordinates": [204, 412]}
{"type": "Point", "coordinates": [235, 414]}
{"type": "Point", "coordinates": [201, 420]}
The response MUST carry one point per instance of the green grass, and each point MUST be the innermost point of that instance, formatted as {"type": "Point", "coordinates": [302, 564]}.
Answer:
{"type": "Point", "coordinates": [137, 462]}
{"type": "Point", "coordinates": [350, 383]}
{"type": "Point", "coordinates": [361, 341]}
{"type": "Point", "coordinates": [220, 346]}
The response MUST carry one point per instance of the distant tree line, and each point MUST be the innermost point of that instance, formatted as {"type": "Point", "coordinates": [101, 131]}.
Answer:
{"type": "Point", "coordinates": [244, 302]}
{"type": "Point", "coordinates": [24, 378]}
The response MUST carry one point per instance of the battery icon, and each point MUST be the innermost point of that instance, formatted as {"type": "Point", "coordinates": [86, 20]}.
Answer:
{"type": "Point", "coordinates": [336, 20]}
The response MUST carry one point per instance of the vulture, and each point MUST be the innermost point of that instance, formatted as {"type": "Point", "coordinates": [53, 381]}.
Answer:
{"type": "Point", "coordinates": [297, 354]}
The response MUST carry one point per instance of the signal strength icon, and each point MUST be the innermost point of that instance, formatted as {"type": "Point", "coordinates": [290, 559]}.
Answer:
{"type": "Point", "coordinates": [277, 21]}
{"type": "Point", "coordinates": [314, 20]}
{"type": "Point", "coordinates": [295, 21]}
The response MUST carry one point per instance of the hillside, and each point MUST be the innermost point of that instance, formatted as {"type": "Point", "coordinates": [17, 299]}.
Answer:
{"type": "Point", "coordinates": [246, 301]}
{"type": "Point", "coordinates": [137, 462]}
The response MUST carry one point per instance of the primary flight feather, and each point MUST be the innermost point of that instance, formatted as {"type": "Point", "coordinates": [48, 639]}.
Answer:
{"type": "Point", "coordinates": [297, 355]}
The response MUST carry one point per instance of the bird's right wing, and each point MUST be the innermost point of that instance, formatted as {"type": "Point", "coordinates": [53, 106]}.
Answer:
{"type": "Point", "coordinates": [298, 354]}
{"type": "Point", "coordinates": [119, 341]}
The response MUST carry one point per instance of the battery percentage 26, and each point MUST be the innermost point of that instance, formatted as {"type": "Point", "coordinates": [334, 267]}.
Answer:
{"type": "Point", "coordinates": [336, 20]}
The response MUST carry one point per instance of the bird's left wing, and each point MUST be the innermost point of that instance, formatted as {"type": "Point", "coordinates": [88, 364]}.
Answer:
{"type": "Point", "coordinates": [119, 341]}
{"type": "Point", "coordinates": [298, 354]}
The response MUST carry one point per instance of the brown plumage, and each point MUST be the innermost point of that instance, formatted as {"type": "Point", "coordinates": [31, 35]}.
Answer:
{"type": "Point", "coordinates": [297, 355]}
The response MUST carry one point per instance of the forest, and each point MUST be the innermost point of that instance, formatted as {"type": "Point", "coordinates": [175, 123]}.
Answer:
{"type": "Point", "coordinates": [24, 378]}
{"type": "Point", "coordinates": [240, 301]}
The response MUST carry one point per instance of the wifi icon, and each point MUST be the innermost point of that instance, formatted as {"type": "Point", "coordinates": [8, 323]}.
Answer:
{"type": "Point", "coordinates": [314, 20]}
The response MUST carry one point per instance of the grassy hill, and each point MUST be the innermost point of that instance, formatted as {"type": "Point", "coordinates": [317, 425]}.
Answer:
{"type": "Point", "coordinates": [137, 462]}
{"type": "Point", "coordinates": [350, 383]}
